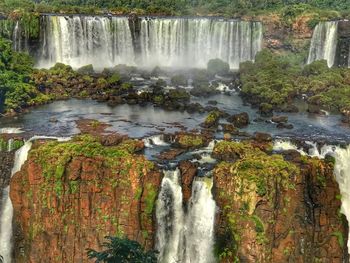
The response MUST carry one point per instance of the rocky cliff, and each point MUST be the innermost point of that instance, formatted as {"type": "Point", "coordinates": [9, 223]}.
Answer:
{"type": "Point", "coordinates": [275, 208]}
{"type": "Point", "coordinates": [69, 196]}
{"type": "Point", "coordinates": [271, 207]}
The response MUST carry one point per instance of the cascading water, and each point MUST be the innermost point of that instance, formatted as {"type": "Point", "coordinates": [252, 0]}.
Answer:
{"type": "Point", "coordinates": [199, 228]}
{"type": "Point", "coordinates": [6, 214]}
{"type": "Point", "coordinates": [193, 42]}
{"type": "Point", "coordinates": [7, 209]}
{"type": "Point", "coordinates": [181, 237]}
{"type": "Point", "coordinates": [342, 175]}
{"type": "Point", "coordinates": [169, 42]}
{"type": "Point", "coordinates": [324, 42]}
{"type": "Point", "coordinates": [170, 218]}
{"type": "Point", "coordinates": [83, 40]}
{"type": "Point", "coordinates": [157, 140]}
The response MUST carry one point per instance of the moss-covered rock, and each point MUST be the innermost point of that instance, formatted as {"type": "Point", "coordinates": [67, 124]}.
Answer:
{"type": "Point", "coordinates": [178, 95]}
{"type": "Point", "coordinates": [190, 140]}
{"type": "Point", "coordinates": [217, 66]}
{"type": "Point", "coordinates": [82, 190]}
{"type": "Point", "coordinates": [86, 70]}
{"type": "Point", "coordinates": [212, 119]}
{"type": "Point", "coordinates": [179, 80]}
{"type": "Point", "coordinates": [262, 196]}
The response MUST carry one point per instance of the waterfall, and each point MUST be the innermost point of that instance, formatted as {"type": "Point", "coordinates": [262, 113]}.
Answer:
{"type": "Point", "coordinates": [167, 42]}
{"type": "Point", "coordinates": [157, 140]}
{"type": "Point", "coordinates": [324, 42]}
{"type": "Point", "coordinates": [193, 42]}
{"type": "Point", "coordinates": [199, 229]}
{"type": "Point", "coordinates": [82, 40]}
{"type": "Point", "coordinates": [7, 209]}
{"type": "Point", "coordinates": [342, 175]}
{"type": "Point", "coordinates": [185, 237]}
{"type": "Point", "coordinates": [6, 214]}
{"type": "Point", "coordinates": [170, 218]}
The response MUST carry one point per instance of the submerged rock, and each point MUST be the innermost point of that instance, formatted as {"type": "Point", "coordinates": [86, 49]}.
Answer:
{"type": "Point", "coordinates": [279, 119]}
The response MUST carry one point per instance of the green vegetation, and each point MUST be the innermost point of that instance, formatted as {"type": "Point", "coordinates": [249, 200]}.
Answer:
{"type": "Point", "coordinates": [251, 177]}
{"type": "Point", "coordinates": [122, 250]}
{"type": "Point", "coordinates": [274, 81]}
{"type": "Point", "coordinates": [54, 156]}
{"type": "Point", "coordinates": [212, 119]}
{"type": "Point", "coordinates": [288, 10]}
{"type": "Point", "coordinates": [16, 89]}
{"type": "Point", "coordinates": [179, 80]}
{"type": "Point", "coordinates": [340, 237]}
{"type": "Point", "coordinates": [217, 66]}
{"type": "Point", "coordinates": [190, 140]}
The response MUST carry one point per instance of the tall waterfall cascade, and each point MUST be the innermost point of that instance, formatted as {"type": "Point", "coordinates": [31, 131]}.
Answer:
{"type": "Point", "coordinates": [324, 43]}
{"type": "Point", "coordinates": [167, 42]}
{"type": "Point", "coordinates": [6, 215]}
{"type": "Point", "coordinates": [7, 209]}
{"type": "Point", "coordinates": [341, 170]}
{"type": "Point", "coordinates": [185, 237]}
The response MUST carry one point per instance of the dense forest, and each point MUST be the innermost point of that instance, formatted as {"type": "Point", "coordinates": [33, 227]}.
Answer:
{"type": "Point", "coordinates": [179, 7]}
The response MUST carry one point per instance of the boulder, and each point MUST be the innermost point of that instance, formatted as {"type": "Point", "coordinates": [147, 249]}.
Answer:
{"type": "Point", "coordinates": [239, 120]}
{"type": "Point", "coordinates": [279, 119]}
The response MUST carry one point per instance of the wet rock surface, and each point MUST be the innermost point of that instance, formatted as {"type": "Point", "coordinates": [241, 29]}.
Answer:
{"type": "Point", "coordinates": [94, 196]}
{"type": "Point", "coordinates": [275, 209]}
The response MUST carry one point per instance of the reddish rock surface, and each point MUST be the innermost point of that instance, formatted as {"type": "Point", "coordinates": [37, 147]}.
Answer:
{"type": "Point", "coordinates": [170, 154]}
{"type": "Point", "coordinates": [188, 172]}
{"type": "Point", "coordinates": [59, 228]}
{"type": "Point", "coordinates": [301, 224]}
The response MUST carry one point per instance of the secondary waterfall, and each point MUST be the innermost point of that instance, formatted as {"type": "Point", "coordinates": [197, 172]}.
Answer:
{"type": "Point", "coordinates": [185, 237]}
{"type": "Point", "coordinates": [170, 42]}
{"type": "Point", "coordinates": [324, 42]}
{"type": "Point", "coordinates": [7, 209]}
{"type": "Point", "coordinates": [6, 214]}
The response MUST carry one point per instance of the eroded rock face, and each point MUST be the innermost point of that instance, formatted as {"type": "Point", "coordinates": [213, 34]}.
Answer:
{"type": "Point", "coordinates": [68, 196]}
{"type": "Point", "coordinates": [188, 172]}
{"type": "Point", "coordinates": [274, 210]}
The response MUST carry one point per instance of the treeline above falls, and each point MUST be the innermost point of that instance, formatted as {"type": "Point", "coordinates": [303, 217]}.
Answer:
{"type": "Point", "coordinates": [105, 41]}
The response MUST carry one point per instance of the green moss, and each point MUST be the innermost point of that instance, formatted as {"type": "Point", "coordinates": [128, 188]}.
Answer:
{"type": "Point", "coordinates": [217, 66]}
{"type": "Point", "coordinates": [238, 149]}
{"type": "Point", "coordinates": [158, 99]}
{"type": "Point", "coordinates": [178, 95]}
{"type": "Point", "coordinates": [212, 119]}
{"type": "Point", "coordinates": [54, 156]}
{"type": "Point", "coordinates": [150, 199]}
{"type": "Point", "coordinates": [273, 81]}
{"type": "Point", "coordinates": [114, 79]}
{"type": "Point", "coordinates": [191, 141]}
{"type": "Point", "coordinates": [251, 177]}
{"type": "Point", "coordinates": [340, 238]}
{"type": "Point", "coordinates": [179, 80]}
{"type": "Point", "coordinates": [86, 70]}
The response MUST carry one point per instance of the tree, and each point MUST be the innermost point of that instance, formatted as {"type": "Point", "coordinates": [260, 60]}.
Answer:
{"type": "Point", "coordinates": [122, 250]}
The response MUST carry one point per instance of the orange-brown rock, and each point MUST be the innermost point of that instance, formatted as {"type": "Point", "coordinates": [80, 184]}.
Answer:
{"type": "Point", "coordinates": [188, 172]}
{"type": "Point", "coordinates": [89, 196]}
{"type": "Point", "coordinates": [271, 219]}
{"type": "Point", "coordinates": [272, 210]}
